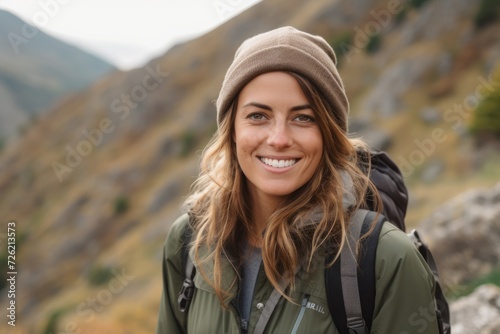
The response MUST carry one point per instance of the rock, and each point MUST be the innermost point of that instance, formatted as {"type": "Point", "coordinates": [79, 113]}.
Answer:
{"type": "Point", "coordinates": [436, 18]}
{"type": "Point", "coordinates": [477, 313]}
{"type": "Point", "coordinates": [385, 99]}
{"type": "Point", "coordinates": [168, 192]}
{"type": "Point", "coordinates": [72, 212]}
{"type": "Point", "coordinates": [345, 12]}
{"type": "Point", "coordinates": [464, 235]}
{"type": "Point", "coordinates": [377, 139]}
{"type": "Point", "coordinates": [444, 64]}
{"type": "Point", "coordinates": [492, 57]}
{"type": "Point", "coordinates": [430, 115]}
{"type": "Point", "coordinates": [357, 125]}
{"type": "Point", "coordinates": [493, 328]}
{"type": "Point", "coordinates": [432, 171]}
{"type": "Point", "coordinates": [169, 147]}
{"type": "Point", "coordinates": [461, 130]}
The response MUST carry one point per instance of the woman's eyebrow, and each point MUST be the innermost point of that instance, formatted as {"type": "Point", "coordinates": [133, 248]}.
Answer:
{"type": "Point", "coordinates": [301, 107]}
{"type": "Point", "coordinates": [266, 107]}
{"type": "Point", "coordinates": [257, 105]}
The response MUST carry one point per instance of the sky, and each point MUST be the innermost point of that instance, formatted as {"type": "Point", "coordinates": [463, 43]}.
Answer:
{"type": "Point", "coordinates": [126, 33]}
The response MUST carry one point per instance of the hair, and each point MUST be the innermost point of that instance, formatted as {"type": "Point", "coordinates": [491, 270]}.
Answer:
{"type": "Point", "coordinates": [221, 217]}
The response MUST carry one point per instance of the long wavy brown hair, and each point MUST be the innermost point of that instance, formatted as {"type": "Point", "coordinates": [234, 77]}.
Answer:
{"type": "Point", "coordinates": [222, 215]}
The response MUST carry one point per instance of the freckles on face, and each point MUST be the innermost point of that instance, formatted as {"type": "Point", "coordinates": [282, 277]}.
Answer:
{"type": "Point", "coordinates": [278, 142]}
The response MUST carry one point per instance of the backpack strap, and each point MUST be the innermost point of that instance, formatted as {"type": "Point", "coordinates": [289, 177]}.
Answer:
{"type": "Point", "coordinates": [441, 307]}
{"type": "Point", "coordinates": [187, 289]}
{"type": "Point", "coordinates": [349, 276]}
{"type": "Point", "coordinates": [345, 306]}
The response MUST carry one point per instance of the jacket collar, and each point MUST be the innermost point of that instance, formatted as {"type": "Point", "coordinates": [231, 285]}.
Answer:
{"type": "Point", "coordinates": [229, 277]}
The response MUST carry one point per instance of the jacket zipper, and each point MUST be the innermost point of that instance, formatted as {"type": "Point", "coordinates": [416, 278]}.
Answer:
{"type": "Point", "coordinates": [242, 328]}
{"type": "Point", "coordinates": [305, 300]}
{"type": "Point", "coordinates": [236, 304]}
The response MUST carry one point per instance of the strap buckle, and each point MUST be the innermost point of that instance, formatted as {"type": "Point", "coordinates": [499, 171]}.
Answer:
{"type": "Point", "coordinates": [357, 326]}
{"type": "Point", "coordinates": [186, 294]}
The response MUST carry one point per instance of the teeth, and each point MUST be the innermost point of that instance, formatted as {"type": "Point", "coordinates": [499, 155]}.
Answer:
{"type": "Point", "coordinates": [279, 163]}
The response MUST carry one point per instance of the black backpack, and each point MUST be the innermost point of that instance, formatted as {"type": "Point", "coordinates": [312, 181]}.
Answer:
{"type": "Point", "coordinates": [357, 288]}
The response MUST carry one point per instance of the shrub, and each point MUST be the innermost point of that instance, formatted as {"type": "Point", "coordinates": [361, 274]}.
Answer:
{"type": "Point", "coordinates": [488, 12]}
{"type": "Point", "coordinates": [486, 117]}
{"type": "Point", "coordinates": [188, 142]}
{"type": "Point", "coordinates": [401, 15]}
{"type": "Point", "coordinates": [373, 44]}
{"type": "Point", "coordinates": [52, 323]}
{"type": "Point", "coordinates": [99, 275]}
{"type": "Point", "coordinates": [492, 278]}
{"type": "Point", "coordinates": [341, 44]}
{"type": "Point", "coordinates": [418, 3]}
{"type": "Point", "coordinates": [121, 205]}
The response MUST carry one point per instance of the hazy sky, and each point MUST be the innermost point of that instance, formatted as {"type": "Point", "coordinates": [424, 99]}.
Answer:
{"type": "Point", "coordinates": [125, 32]}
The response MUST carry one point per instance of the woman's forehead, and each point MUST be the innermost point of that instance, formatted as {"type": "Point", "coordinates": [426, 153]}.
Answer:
{"type": "Point", "coordinates": [273, 88]}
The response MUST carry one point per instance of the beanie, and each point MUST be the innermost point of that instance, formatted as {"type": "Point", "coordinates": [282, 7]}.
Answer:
{"type": "Point", "coordinates": [286, 49]}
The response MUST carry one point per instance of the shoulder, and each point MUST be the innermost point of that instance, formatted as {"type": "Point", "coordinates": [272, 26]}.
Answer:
{"type": "Point", "coordinates": [175, 237]}
{"type": "Point", "coordinates": [404, 286]}
{"type": "Point", "coordinates": [179, 226]}
{"type": "Point", "coordinates": [392, 238]}
{"type": "Point", "coordinates": [396, 253]}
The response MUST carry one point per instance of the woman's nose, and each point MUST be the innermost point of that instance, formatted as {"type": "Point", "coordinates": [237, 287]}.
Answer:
{"type": "Point", "coordinates": [279, 136]}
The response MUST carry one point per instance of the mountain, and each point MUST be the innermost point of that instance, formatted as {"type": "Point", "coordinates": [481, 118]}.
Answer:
{"type": "Point", "coordinates": [36, 70]}
{"type": "Point", "coordinates": [95, 183]}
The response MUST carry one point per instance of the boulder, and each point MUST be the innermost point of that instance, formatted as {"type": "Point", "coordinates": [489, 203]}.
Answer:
{"type": "Point", "coordinates": [432, 171]}
{"type": "Point", "coordinates": [464, 235]}
{"type": "Point", "coordinates": [385, 99]}
{"type": "Point", "coordinates": [478, 312]}
{"type": "Point", "coordinates": [430, 115]}
{"type": "Point", "coordinates": [166, 193]}
{"type": "Point", "coordinates": [376, 138]}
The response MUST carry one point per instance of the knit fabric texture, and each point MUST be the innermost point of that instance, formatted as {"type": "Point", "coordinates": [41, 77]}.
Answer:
{"type": "Point", "coordinates": [286, 49]}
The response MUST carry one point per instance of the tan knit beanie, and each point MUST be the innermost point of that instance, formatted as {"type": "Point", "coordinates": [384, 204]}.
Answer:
{"type": "Point", "coordinates": [286, 49]}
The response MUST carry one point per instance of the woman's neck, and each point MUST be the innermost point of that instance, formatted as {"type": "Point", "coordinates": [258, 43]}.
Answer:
{"type": "Point", "coordinates": [262, 207]}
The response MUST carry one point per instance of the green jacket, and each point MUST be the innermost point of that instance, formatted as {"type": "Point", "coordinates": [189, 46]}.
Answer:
{"type": "Point", "coordinates": [404, 295]}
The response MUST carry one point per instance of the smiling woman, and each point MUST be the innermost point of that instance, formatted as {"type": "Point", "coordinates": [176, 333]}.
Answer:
{"type": "Point", "coordinates": [279, 183]}
{"type": "Point", "coordinates": [278, 143]}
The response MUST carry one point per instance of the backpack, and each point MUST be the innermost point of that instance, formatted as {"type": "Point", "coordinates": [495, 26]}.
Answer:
{"type": "Point", "coordinates": [346, 281]}
{"type": "Point", "coordinates": [353, 314]}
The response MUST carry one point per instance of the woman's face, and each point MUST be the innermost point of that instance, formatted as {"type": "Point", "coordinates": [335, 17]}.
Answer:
{"type": "Point", "coordinates": [278, 142]}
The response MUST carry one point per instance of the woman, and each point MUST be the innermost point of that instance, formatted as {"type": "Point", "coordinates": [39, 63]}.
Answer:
{"type": "Point", "coordinates": [279, 182]}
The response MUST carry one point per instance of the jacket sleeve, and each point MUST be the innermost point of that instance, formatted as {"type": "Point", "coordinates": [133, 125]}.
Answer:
{"type": "Point", "coordinates": [170, 319]}
{"type": "Point", "coordinates": [404, 301]}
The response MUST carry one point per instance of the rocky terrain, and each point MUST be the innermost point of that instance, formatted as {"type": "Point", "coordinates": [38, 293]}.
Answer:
{"type": "Point", "coordinates": [464, 235]}
{"type": "Point", "coordinates": [477, 313]}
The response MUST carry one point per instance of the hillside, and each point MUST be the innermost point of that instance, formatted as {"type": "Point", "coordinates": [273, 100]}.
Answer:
{"type": "Point", "coordinates": [96, 181]}
{"type": "Point", "coordinates": [36, 70]}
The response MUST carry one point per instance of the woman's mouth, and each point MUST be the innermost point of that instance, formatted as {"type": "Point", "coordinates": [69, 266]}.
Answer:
{"type": "Point", "coordinates": [278, 163]}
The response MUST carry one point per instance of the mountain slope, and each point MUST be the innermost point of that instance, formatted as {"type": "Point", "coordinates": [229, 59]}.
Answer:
{"type": "Point", "coordinates": [95, 184]}
{"type": "Point", "coordinates": [36, 70]}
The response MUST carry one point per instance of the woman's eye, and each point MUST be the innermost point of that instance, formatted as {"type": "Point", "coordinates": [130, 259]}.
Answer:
{"type": "Point", "coordinates": [304, 118]}
{"type": "Point", "coordinates": [256, 116]}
